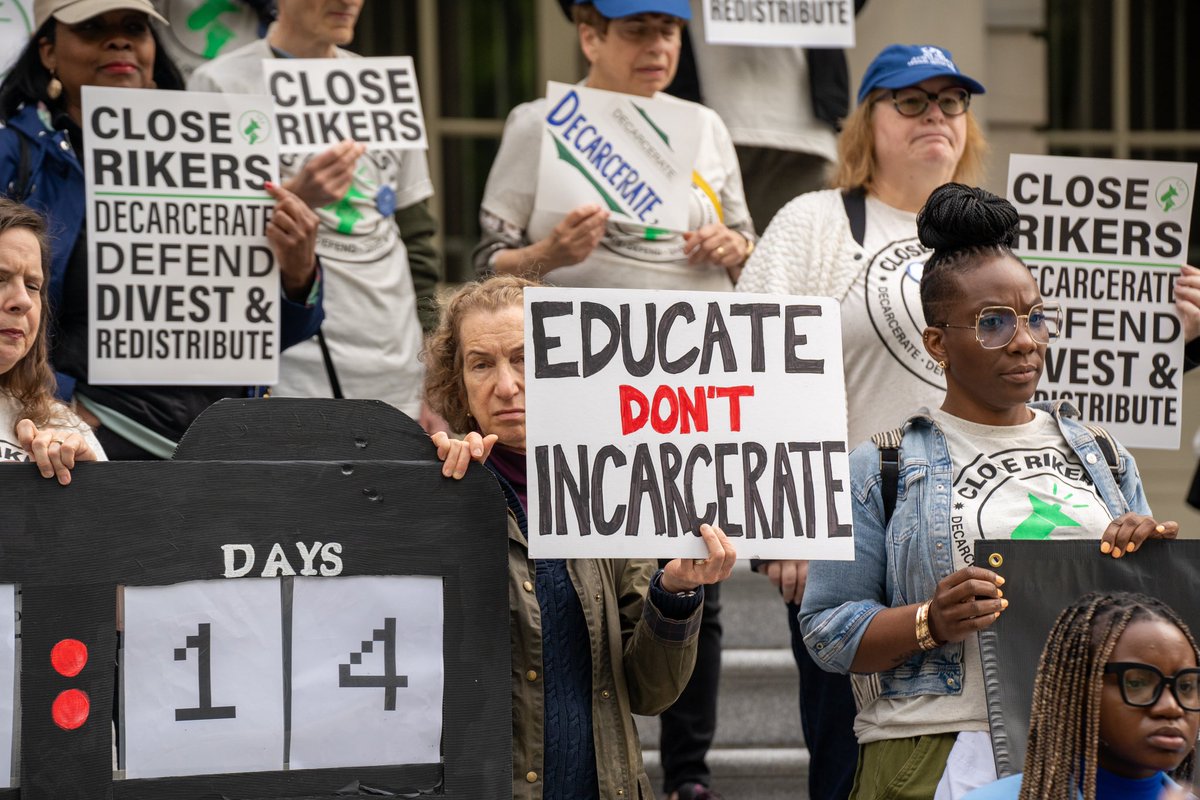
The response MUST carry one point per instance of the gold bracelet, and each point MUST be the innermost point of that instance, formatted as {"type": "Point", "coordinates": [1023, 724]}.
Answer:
{"type": "Point", "coordinates": [925, 638]}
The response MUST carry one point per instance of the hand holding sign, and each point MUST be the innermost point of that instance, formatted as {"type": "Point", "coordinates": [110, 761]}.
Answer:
{"type": "Point", "coordinates": [965, 602]}
{"type": "Point", "coordinates": [1187, 301]}
{"type": "Point", "coordinates": [1127, 532]}
{"type": "Point", "coordinates": [292, 233]}
{"type": "Point", "coordinates": [572, 240]}
{"type": "Point", "coordinates": [457, 454]}
{"type": "Point", "coordinates": [54, 451]}
{"type": "Point", "coordinates": [326, 177]}
{"type": "Point", "coordinates": [685, 574]}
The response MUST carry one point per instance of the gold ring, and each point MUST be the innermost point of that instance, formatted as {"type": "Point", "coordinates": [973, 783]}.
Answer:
{"type": "Point", "coordinates": [721, 250]}
{"type": "Point", "coordinates": [699, 562]}
{"type": "Point", "coordinates": [58, 441]}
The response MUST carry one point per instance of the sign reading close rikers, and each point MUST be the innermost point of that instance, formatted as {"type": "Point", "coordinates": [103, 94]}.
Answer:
{"type": "Point", "coordinates": [691, 406]}
{"type": "Point", "coordinates": [631, 155]}
{"type": "Point", "coordinates": [1105, 239]}
{"type": "Point", "coordinates": [182, 283]}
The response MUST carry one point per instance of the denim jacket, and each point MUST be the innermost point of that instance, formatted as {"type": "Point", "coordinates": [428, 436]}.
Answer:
{"type": "Point", "coordinates": [903, 562]}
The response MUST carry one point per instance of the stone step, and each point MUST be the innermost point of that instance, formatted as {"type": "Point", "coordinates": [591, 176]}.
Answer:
{"type": "Point", "coordinates": [752, 613]}
{"type": "Point", "coordinates": [752, 773]}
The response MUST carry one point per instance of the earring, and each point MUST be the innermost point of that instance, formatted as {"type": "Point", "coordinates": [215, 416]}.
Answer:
{"type": "Point", "coordinates": [54, 87]}
{"type": "Point", "coordinates": [942, 364]}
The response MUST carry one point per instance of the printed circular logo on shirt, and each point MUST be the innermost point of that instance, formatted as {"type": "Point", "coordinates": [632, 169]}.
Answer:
{"type": "Point", "coordinates": [355, 228]}
{"type": "Point", "coordinates": [657, 246]}
{"type": "Point", "coordinates": [204, 29]}
{"type": "Point", "coordinates": [894, 306]}
{"type": "Point", "coordinates": [1022, 493]}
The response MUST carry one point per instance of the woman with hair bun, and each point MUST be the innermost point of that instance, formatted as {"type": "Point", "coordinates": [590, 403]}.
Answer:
{"type": "Point", "coordinates": [987, 464]}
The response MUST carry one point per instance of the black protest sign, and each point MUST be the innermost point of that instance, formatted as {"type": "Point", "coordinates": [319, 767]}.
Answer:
{"type": "Point", "coordinates": [1104, 239]}
{"type": "Point", "coordinates": [321, 101]}
{"type": "Point", "coordinates": [182, 284]}
{"type": "Point", "coordinates": [284, 480]}
{"type": "Point", "coordinates": [1043, 578]}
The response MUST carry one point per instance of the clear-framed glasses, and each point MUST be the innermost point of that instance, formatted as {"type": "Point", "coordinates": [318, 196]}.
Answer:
{"type": "Point", "coordinates": [912, 101]}
{"type": "Point", "coordinates": [1142, 685]}
{"type": "Point", "coordinates": [996, 326]}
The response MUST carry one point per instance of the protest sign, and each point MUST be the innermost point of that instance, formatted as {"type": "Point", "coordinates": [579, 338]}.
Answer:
{"type": "Point", "coordinates": [632, 155]}
{"type": "Point", "coordinates": [16, 26]}
{"type": "Point", "coordinates": [183, 286]}
{"type": "Point", "coordinates": [321, 101]}
{"type": "Point", "coordinates": [279, 640]}
{"type": "Point", "coordinates": [1104, 239]}
{"type": "Point", "coordinates": [790, 23]}
{"type": "Point", "coordinates": [1040, 580]}
{"type": "Point", "coordinates": [649, 413]}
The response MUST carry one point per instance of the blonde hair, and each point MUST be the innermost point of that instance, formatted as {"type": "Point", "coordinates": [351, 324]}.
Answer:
{"type": "Point", "coordinates": [444, 388]}
{"type": "Point", "coordinates": [856, 149]}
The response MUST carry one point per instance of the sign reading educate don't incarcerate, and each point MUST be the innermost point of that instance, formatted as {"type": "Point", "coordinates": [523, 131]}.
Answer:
{"type": "Point", "coordinates": [790, 23]}
{"type": "Point", "coordinates": [321, 101]}
{"type": "Point", "coordinates": [631, 155]}
{"type": "Point", "coordinates": [649, 413]}
{"type": "Point", "coordinates": [1104, 239]}
{"type": "Point", "coordinates": [183, 284]}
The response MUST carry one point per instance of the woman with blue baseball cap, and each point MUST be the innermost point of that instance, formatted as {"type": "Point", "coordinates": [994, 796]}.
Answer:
{"type": "Point", "coordinates": [911, 132]}
{"type": "Point", "coordinates": [632, 46]}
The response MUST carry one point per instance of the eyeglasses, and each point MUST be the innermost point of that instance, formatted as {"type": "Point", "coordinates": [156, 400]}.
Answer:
{"type": "Point", "coordinates": [996, 326]}
{"type": "Point", "coordinates": [913, 101]}
{"type": "Point", "coordinates": [1142, 685]}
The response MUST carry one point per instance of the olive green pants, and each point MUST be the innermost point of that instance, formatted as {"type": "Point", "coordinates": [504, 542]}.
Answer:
{"type": "Point", "coordinates": [901, 769]}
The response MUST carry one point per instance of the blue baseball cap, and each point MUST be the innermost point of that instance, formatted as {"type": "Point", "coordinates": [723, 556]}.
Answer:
{"type": "Point", "coordinates": [614, 9]}
{"type": "Point", "coordinates": [901, 65]}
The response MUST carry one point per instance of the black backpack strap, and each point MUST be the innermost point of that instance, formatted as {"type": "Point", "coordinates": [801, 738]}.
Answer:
{"type": "Point", "coordinates": [888, 443]}
{"type": "Point", "coordinates": [1108, 447]}
{"type": "Point", "coordinates": [855, 201]}
{"type": "Point", "coordinates": [330, 371]}
{"type": "Point", "coordinates": [19, 188]}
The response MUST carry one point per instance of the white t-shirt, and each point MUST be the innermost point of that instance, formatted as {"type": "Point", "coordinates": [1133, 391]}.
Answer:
{"type": "Point", "coordinates": [761, 93]}
{"type": "Point", "coordinates": [10, 449]}
{"type": "Point", "coordinates": [623, 258]}
{"type": "Point", "coordinates": [888, 373]}
{"type": "Point", "coordinates": [1019, 481]}
{"type": "Point", "coordinates": [371, 324]}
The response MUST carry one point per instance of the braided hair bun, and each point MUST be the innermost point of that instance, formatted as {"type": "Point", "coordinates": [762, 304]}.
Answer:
{"type": "Point", "coordinates": [957, 217]}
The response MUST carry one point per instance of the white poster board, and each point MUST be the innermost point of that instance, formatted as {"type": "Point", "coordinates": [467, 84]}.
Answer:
{"type": "Point", "coordinates": [650, 412]}
{"type": "Point", "coordinates": [183, 286]}
{"type": "Point", "coordinates": [1104, 238]}
{"type": "Point", "coordinates": [803, 23]}
{"type": "Point", "coordinates": [16, 28]}
{"type": "Point", "coordinates": [8, 680]}
{"type": "Point", "coordinates": [203, 678]}
{"type": "Point", "coordinates": [367, 671]}
{"type": "Point", "coordinates": [321, 101]}
{"type": "Point", "coordinates": [631, 155]}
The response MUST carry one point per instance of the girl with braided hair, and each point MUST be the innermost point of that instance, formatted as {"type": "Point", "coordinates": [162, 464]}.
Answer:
{"type": "Point", "coordinates": [986, 464]}
{"type": "Point", "coordinates": [1116, 704]}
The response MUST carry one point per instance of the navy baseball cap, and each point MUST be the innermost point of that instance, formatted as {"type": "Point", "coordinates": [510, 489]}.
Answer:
{"type": "Point", "coordinates": [614, 9]}
{"type": "Point", "coordinates": [901, 65]}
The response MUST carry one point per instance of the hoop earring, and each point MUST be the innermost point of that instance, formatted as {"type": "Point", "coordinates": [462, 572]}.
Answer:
{"type": "Point", "coordinates": [54, 87]}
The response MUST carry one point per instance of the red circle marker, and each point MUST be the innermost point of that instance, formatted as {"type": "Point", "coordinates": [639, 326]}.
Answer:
{"type": "Point", "coordinates": [71, 709]}
{"type": "Point", "coordinates": [69, 657]}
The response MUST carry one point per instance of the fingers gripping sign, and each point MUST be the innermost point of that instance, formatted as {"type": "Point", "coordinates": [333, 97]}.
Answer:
{"type": "Point", "coordinates": [457, 454]}
{"type": "Point", "coordinates": [965, 602]}
{"type": "Point", "coordinates": [1126, 533]}
{"type": "Point", "coordinates": [292, 233]}
{"type": "Point", "coordinates": [54, 450]}
{"type": "Point", "coordinates": [685, 574]}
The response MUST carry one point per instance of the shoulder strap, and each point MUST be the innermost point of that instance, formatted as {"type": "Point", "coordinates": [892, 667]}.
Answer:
{"type": "Point", "coordinates": [1107, 445]}
{"type": "Point", "coordinates": [19, 188]}
{"type": "Point", "coordinates": [888, 443]}
{"type": "Point", "coordinates": [855, 201]}
{"type": "Point", "coordinates": [330, 371]}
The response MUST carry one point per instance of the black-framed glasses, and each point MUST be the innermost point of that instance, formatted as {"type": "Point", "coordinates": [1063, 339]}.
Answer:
{"type": "Point", "coordinates": [996, 326]}
{"type": "Point", "coordinates": [912, 101]}
{"type": "Point", "coordinates": [1142, 685]}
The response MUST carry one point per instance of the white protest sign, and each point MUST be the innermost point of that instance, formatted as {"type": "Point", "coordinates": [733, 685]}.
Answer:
{"type": "Point", "coordinates": [1104, 239]}
{"type": "Point", "coordinates": [8, 673]}
{"type": "Point", "coordinates": [321, 101]}
{"type": "Point", "coordinates": [16, 27]}
{"type": "Point", "coordinates": [791, 23]}
{"type": "Point", "coordinates": [649, 413]}
{"type": "Point", "coordinates": [183, 286]}
{"type": "Point", "coordinates": [367, 671]}
{"type": "Point", "coordinates": [203, 678]}
{"type": "Point", "coordinates": [632, 155]}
